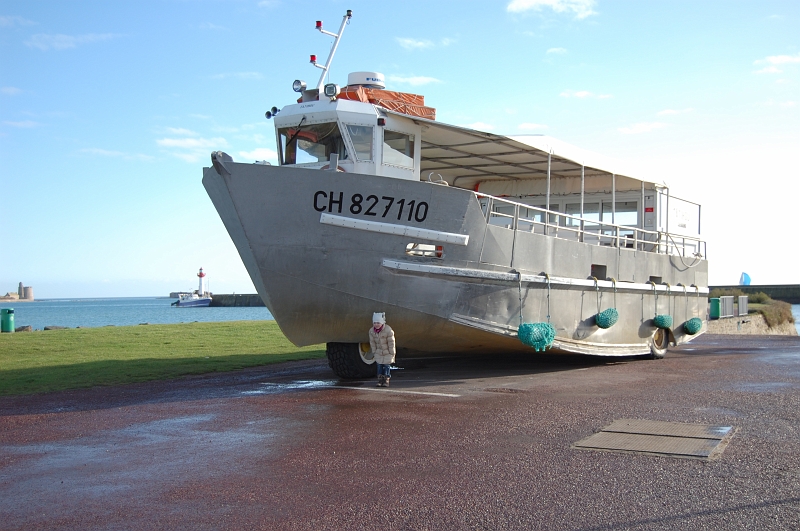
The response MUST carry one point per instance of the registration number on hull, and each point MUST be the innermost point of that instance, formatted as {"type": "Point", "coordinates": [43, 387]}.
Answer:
{"type": "Point", "coordinates": [371, 205]}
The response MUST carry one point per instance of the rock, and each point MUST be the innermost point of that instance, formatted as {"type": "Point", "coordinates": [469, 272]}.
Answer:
{"type": "Point", "coordinates": [24, 328]}
{"type": "Point", "coordinates": [56, 327]}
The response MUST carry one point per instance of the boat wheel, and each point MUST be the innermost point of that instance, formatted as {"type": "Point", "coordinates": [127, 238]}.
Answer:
{"type": "Point", "coordinates": [351, 360]}
{"type": "Point", "coordinates": [659, 343]}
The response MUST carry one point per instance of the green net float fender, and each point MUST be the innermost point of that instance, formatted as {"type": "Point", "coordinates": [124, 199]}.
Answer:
{"type": "Point", "coordinates": [607, 318]}
{"type": "Point", "coordinates": [693, 325]}
{"type": "Point", "coordinates": [663, 321]}
{"type": "Point", "coordinates": [536, 335]}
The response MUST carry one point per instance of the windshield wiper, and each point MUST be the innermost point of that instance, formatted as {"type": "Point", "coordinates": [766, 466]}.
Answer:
{"type": "Point", "coordinates": [297, 132]}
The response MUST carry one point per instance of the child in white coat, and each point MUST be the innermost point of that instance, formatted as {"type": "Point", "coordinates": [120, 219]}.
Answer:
{"type": "Point", "coordinates": [381, 341]}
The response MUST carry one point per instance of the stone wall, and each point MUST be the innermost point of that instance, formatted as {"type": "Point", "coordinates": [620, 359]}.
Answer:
{"type": "Point", "coordinates": [229, 300]}
{"type": "Point", "coordinates": [752, 324]}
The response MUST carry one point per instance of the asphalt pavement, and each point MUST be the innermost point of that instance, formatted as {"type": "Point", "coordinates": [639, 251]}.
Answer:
{"type": "Point", "coordinates": [456, 442]}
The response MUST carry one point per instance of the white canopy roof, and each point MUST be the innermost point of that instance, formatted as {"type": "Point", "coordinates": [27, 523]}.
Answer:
{"type": "Point", "coordinates": [468, 158]}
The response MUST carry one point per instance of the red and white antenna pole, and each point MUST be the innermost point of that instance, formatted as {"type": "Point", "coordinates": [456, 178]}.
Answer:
{"type": "Point", "coordinates": [338, 36]}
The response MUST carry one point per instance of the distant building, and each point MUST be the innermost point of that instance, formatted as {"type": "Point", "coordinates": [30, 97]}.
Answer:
{"type": "Point", "coordinates": [23, 294]}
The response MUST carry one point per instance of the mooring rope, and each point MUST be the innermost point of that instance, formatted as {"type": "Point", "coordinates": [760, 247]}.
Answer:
{"type": "Point", "coordinates": [665, 320]}
{"type": "Point", "coordinates": [536, 335]}
{"type": "Point", "coordinates": [693, 325]}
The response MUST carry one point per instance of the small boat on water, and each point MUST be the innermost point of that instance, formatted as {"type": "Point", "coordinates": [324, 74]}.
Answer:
{"type": "Point", "coordinates": [468, 240]}
{"type": "Point", "coordinates": [196, 299]}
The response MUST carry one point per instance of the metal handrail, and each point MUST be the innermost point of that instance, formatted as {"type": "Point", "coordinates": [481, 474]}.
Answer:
{"type": "Point", "coordinates": [605, 233]}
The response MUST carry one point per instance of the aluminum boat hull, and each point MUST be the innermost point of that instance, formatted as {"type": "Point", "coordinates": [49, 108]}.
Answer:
{"type": "Point", "coordinates": [323, 262]}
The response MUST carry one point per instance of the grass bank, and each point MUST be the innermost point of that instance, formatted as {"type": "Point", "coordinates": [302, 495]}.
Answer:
{"type": "Point", "coordinates": [54, 360]}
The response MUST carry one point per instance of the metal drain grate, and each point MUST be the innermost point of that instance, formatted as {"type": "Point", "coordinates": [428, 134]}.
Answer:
{"type": "Point", "coordinates": [674, 439]}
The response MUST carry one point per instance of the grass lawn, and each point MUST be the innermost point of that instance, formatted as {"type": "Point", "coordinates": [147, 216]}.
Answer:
{"type": "Point", "coordinates": [54, 360]}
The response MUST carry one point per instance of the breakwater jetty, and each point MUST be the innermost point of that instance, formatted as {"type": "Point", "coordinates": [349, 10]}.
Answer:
{"type": "Point", "coordinates": [780, 292]}
{"type": "Point", "coordinates": [236, 300]}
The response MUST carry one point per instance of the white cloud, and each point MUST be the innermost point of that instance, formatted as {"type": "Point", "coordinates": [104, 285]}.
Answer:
{"type": "Point", "coordinates": [557, 50]}
{"type": "Point", "coordinates": [785, 104]}
{"type": "Point", "coordinates": [415, 81]}
{"type": "Point", "coordinates": [179, 131]}
{"type": "Point", "coordinates": [61, 42]}
{"type": "Point", "coordinates": [192, 143]}
{"type": "Point", "coordinates": [768, 70]}
{"type": "Point", "coordinates": [192, 149]}
{"type": "Point", "coordinates": [581, 8]}
{"type": "Point", "coordinates": [6, 21]}
{"type": "Point", "coordinates": [643, 127]}
{"type": "Point", "coordinates": [25, 124]}
{"type": "Point", "coordinates": [479, 126]}
{"type": "Point", "coordinates": [10, 91]}
{"type": "Point", "coordinates": [238, 75]}
{"type": "Point", "coordinates": [414, 44]}
{"type": "Point", "coordinates": [531, 127]}
{"type": "Point", "coordinates": [778, 60]}
{"type": "Point", "coordinates": [119, 154]}
{"type": "Point", "coordinates": [445, 41]}
{"type": "Point", "coordinates": [669, 112]}
{"type": "Point", "coordinates": [260, 154]}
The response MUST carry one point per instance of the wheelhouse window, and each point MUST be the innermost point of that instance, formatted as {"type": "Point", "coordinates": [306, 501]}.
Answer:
{"type": "Point", "coordinates": [398, 149]}
{"type": "Point", "coordinates": [361, 136]}
{"type": "Point", "coordinates": [306, 144]}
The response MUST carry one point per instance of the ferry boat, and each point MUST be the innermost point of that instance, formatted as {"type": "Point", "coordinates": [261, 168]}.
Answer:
{"type": "Point", "coordinates": [200, 298]}
{"type": "Point", "coordinates": [468, 240]}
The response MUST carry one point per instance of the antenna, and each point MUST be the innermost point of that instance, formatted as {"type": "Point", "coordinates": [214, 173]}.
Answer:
{"type": "Point", "coordinates": [345, 21]}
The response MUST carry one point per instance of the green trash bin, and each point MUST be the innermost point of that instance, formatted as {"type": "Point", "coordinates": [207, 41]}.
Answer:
{"type": "Point", "coordinates": [714, 311]}
{"type": "Point", "coordinates": [7, 320]}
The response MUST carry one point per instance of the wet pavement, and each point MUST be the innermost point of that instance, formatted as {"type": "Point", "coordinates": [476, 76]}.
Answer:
{"type": "Point", "coordinates": [455, 443]}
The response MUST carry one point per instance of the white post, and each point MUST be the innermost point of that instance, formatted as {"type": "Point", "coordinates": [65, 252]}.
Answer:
{"type": "Point", "coordinates": [583, 182]}
{"type": "Point", "coordinates": [614, 207]}
{"type": "Point", "coordinates": [333, 49]}
{"type": "Point", "coordinates": [547, 201]}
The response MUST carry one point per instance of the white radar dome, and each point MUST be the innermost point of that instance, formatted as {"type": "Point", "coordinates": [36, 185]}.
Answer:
{"type": "Point", "coordinates": [367, 79]}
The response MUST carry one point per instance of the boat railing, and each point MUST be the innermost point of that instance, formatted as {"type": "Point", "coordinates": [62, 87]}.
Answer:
{"type": "Point", "coordinates": [526, 218]}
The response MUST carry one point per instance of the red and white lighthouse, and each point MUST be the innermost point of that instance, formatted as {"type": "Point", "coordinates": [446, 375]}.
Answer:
{"type": "Point", "coordinates": [201, 289]}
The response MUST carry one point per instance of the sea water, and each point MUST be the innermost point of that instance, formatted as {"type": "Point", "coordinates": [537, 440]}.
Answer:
{"type": "Point", "coordinates": [124, 311]}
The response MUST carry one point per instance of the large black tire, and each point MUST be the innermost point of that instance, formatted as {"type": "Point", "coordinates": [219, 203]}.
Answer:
{"type": "Point", "coordinates": [659, 343]}
{"type": "Point", "coordinates": [348, 360]}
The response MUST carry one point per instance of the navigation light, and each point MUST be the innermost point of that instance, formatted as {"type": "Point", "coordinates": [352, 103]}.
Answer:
{"type": "Point", "coordinates": [331, 90]}
{"type": "Point", "coordinates": [298, 85]}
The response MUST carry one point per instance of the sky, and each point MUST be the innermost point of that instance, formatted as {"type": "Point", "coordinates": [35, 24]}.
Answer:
{"type": "Point", "coordinates": [109, 110]}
